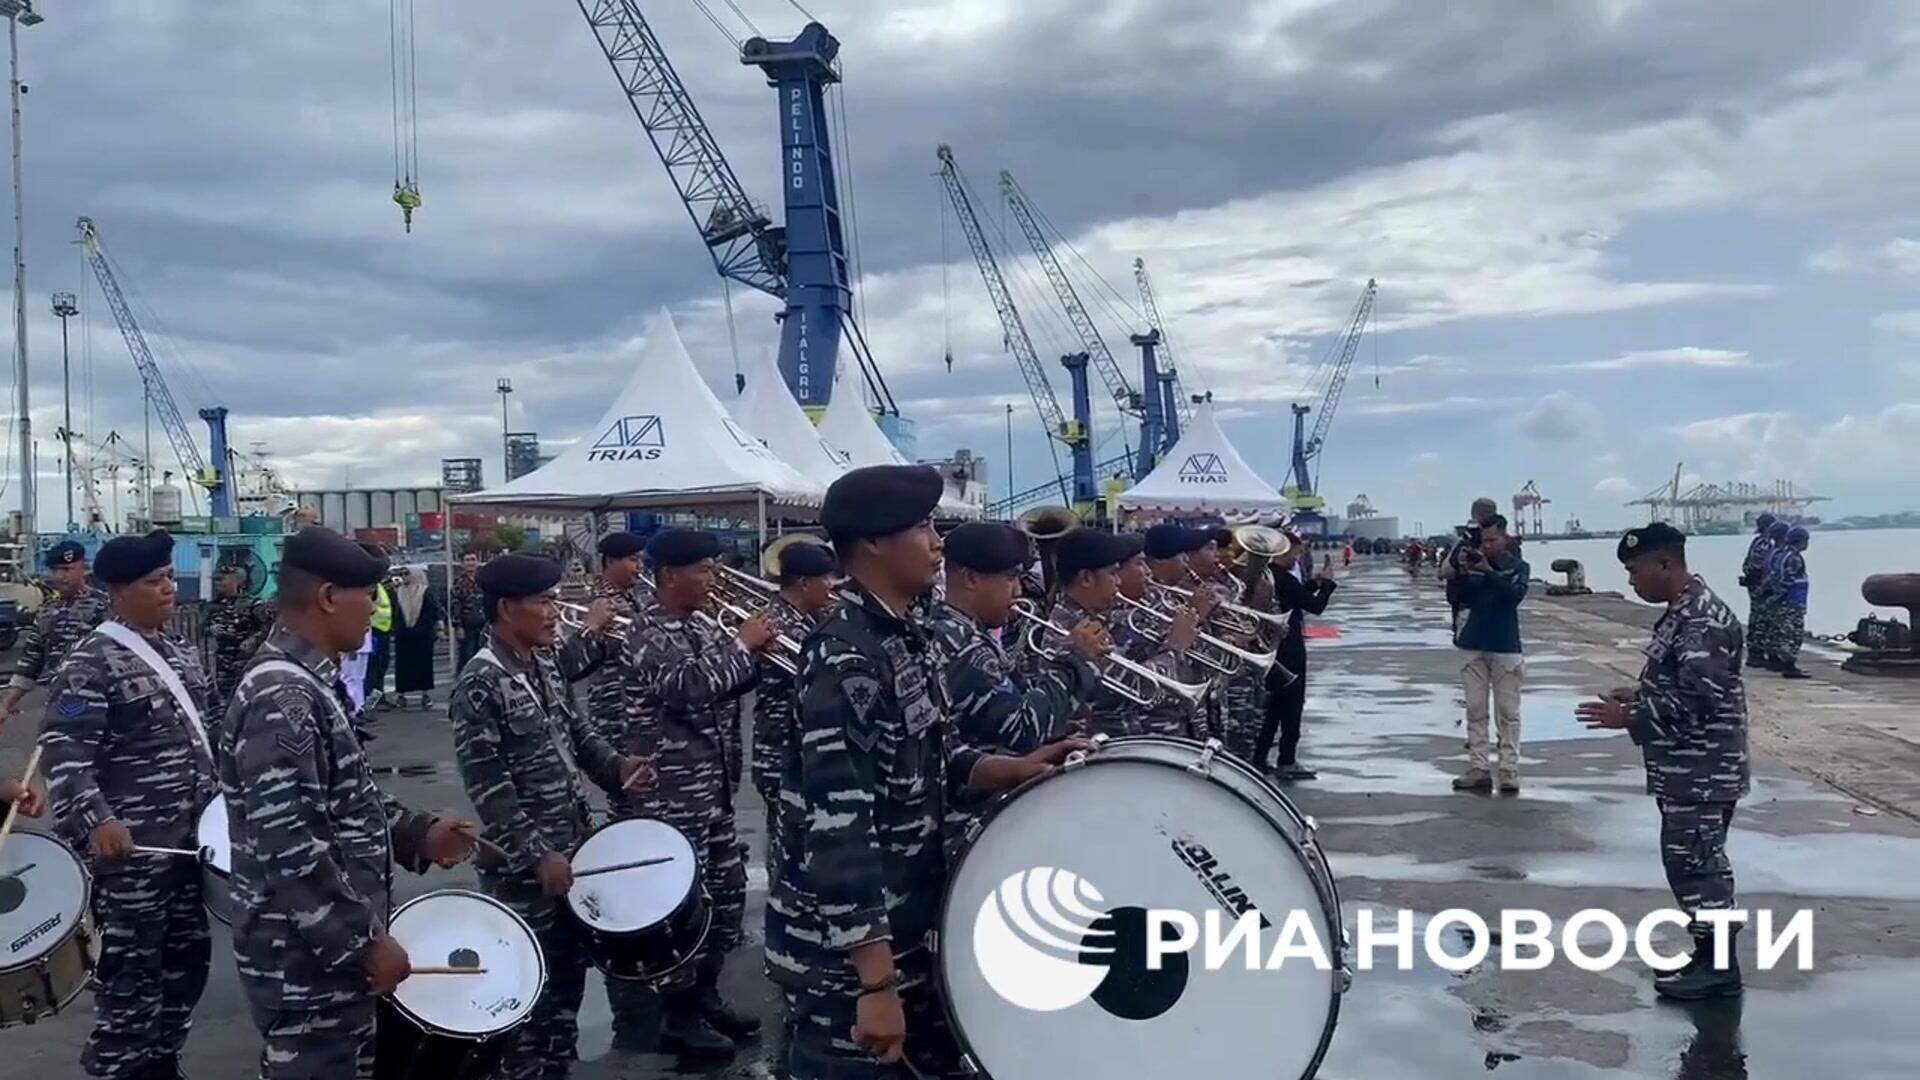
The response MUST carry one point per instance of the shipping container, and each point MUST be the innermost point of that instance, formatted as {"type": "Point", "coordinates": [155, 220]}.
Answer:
{"type": "Point", "coordinates": [431, 520]}
{"type": "Point", "coordinates": [226, 526]}
{"type": "Point", "coordinates": [385, 535]}
{"type": "Point", "coordinates": [533, 537]}
{"type": "Point", "coordinates": [263, 525]}
{"type": "Point", "coordinates": [475, 521]}
{"type": "Point", "coordinates": [196, 526]}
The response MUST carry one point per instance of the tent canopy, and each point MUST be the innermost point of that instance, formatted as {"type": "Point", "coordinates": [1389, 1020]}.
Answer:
{"type": "Point", "coordinates": [849, 428]}
{"type": "Point", "coordinates": [1203, 474]}
{"type": "Point", "coordinates": [665, 444]}
{"type": "Point", "coordinates": [769, 413]}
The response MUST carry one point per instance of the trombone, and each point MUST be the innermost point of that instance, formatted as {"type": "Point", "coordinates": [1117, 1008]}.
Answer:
{"type": "Point", "coordinates": [1237, 620]}
{"type": "Point", "coordinates": [1134, 682]}
{"type": "Point", "coordinates": [1220, 656]}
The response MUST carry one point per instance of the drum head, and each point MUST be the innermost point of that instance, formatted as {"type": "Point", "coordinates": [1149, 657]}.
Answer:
{"type": "Point", "coordinates": [625, 901]}
{"type": "Point", "coordinates": [213, 836]}
{"type": "Point", "coordinates": [43, 895]}
{"type": "Point", "coordinates": [454, 928]}
{"type": "Point", "coordinates": [1075, 861]}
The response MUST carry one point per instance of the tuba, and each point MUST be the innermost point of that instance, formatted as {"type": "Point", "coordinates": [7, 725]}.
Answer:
{"type": "Point", "coordinates": [1046, 525]}
{"type": "Point", "coordinates": [770, 558]}
{"type": "Point", "coordinates": [1253, 547]}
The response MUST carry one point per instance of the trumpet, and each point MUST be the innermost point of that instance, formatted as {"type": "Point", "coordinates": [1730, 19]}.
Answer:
{"type": "Point", "coordinates": [1137, 683]}
{"type": "Point", "coordinates": [1237, 620]}
{"type": "Point", "coordinates": [1219, 656]}
{"type": "Point", "coordinates": [784, 653]}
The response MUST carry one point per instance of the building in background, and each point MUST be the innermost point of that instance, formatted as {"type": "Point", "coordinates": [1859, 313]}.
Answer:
{"type": "Point", "coordinates": [461, 475]}
{"type": "Point", "coordinates": [965, 475]}
{"type": "Point", "coordinates": [523, 454]}
{"type": "Point", "coordinates": [384, 516]}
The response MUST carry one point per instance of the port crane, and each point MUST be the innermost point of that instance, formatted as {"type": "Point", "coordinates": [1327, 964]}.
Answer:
{"type": "Point", "coordinates": [803, 263]}
{"type": "Point", "coordinates": [214, 479]}
{"type": "Point", "coordinates": [1075, 433]}
{"type": "Point", "coordinates": [1306, 450]}
{"type": "Point", "coordinates": [1528, 498]}
{"type": "Point", "coordinates": [1178, 409]}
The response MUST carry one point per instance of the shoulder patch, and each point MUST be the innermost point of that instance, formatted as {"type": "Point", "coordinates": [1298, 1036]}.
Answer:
{"type": "Point", "coordinates": [862, 693]}
{"type": "Point", "coordinates": [69, 704]}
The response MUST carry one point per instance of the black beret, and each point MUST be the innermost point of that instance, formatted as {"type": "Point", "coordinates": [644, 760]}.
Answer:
{"type": "Point", "coordinates": [990, 547]}
{"type": "Point", "coordinates": [511, 576]}
{"type": "Point", "coordinates": [880, 500]}
{"type": "Point", "coordinates": [1222, 536]}
{"type": "Point", "coordinates": [1658, 536]}
{"type": "Point", "coordinates": [681, 547]}
{"type": "Point", "coordinates": [804, 560]}
{"type": "Point", "coordinates": [621, 545]}
{"type": "Point", "coordinates": [1132, 545]}
{"type": "Point", "coordinates": [1089, 549]}
{"type": "Point", "coordinates": [66, 553]}
{"type": "Point", "coordinates": [333, 558]}
{"type": "Point", "coordinates": [1168, 541]}
{"type": "Point", "coordinates": [126, 559]}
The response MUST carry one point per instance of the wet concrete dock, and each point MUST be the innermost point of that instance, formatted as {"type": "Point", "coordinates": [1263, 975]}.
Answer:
{"type": "Point", "coordinates": [1384, 729]}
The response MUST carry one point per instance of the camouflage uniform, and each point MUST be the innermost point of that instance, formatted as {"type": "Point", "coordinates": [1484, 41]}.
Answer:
{"type": "Point", "coordinates": [995, 708]}
{"type": "Point", "coordinates": [521, 744]}
{"type": "Point", "coordinates": [1689, 716]}
{"type": "Point", "coordinates": [1170, 715]}
{"type": "Point", "coordinates": [774, 704]}
{"type": "Point", "coordinates": [1753, 577]}
{"type": "Point", "coordinates": [59, 624]}
{"type": "Point", "coordinates": [1107, 713]}
{"type": "Point", "coordinates": [1241, 710]}
{"type": "Point", "coordinates": [469, 614]}
{"type": "Point", "coordinates": [1787, 606]}
{"type": "Point", "coordinates": [862, 858]}
{"type": "Point", "coordinates": [313, 845]}
{"type": "Point", "coordinates": [235, 624]}
{"type": "Point", "coordinates": [604, 704]}
{"type": "Point", "coordinates": [119, 747]}
{"type": "Point", "coordinates": [682, 676]}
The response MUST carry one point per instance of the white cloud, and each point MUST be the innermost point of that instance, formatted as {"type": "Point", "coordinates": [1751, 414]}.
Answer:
{"type": "Point", "coordinates": [1899, 322]}
{"type": "Point", "coordinates": [1459, 403]}
{"type": "Point", "coordinates": [1613, 485]}
{"type": "Point", "coordinates": [1765, 446]}
{"type": "Point", "coordinates": [1738, 430]}
{"type": "Point", "coordinates": [1899, 255]}
{"type": "Point", "coordinates": [1558, 417]}
{"type": "Point", "coordinates": [1427, 457]}
{"type": "Point", "coordinates": [1683, 356]}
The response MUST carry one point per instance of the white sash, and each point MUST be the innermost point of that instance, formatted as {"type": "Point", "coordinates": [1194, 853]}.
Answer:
{"type": "Point", "coordinates": [130, 640]}
{"type": "Point", "coordinates": [559, 745]}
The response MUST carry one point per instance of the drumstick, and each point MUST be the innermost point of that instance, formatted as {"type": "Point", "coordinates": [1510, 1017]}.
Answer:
{"type": "Point", "coordinates": [145, 850]}
{"type": "Point", "coordinates": [447, 971]}
{"type": "Point", "coordinates": [11, 874]}
{"type": "Point", "coordinates": [26, 782]}
{"type": "Point", "coordinates": [491, 846]}
{"type": "Point", "coordinates": [634, 865]}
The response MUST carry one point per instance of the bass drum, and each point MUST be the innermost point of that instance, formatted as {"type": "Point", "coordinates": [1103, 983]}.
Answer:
{"type": "Point", "coordinates": [1041, 947]}
{"type": "Point", "coordinates": [216, 860]}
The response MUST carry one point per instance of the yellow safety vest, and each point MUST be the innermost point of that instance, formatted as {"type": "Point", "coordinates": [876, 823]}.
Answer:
{"type": "Point", "coordinates": [382, 611]}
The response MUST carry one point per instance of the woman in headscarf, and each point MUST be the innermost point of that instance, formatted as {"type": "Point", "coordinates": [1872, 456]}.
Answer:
{"type": "Point", "coordinates": [416, 624]}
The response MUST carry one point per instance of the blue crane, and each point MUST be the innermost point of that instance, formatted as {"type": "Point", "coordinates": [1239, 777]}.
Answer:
{"type": "Point", "coordinates": [804, 262]}
{"type": "Point", "coordinates": [215, 480]}
{"type": "Point", "coordinates": [1176, 406]}
{"type": "Point", "coordinates": [1124, 398]}
{"type": "Point", "coordinates": [1075, 434]}
{"type": "Point", "coordinates": [1339, 360]}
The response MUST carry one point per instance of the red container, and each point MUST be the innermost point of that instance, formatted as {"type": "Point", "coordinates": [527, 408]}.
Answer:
{"type": "Point", "coordinates": [471, 521]}
{"type": "Point", "coordinates": [387, 536]}
{"type": "Point", "coordinates": [432, 521]}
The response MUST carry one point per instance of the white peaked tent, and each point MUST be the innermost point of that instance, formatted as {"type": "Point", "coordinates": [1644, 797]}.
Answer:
{"type": "Point", "coordinates": [849, 428]}
{"type": "Point", "coordinates": [769, 413]}
{"type": "Point", "coordinates": [667, 444]}
{"type": "Point", "coordinates": [1203, 474]}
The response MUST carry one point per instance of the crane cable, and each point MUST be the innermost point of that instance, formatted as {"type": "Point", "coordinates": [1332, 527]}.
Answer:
{"type": "Point", "coordinates": [406, 109]}
{"type": "Point", "coordinates": [718, 24]}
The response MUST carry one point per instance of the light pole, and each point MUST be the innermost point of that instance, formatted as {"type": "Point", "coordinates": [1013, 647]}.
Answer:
{"type": "Point", "coordinates": [65, 307]}
{"type": "Point", "coordinates": [503, 387]}
{"type": "Point", "coordinates": [1010, 487]}
{"type": "Point", "coordinates": [20, 12]}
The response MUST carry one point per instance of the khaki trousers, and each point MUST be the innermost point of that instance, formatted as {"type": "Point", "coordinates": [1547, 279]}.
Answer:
{"type": "Point", "coordinates": [1495, 675]}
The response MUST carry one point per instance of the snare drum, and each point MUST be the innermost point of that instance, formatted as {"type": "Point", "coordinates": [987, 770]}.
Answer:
{"type": "Point", "coordinates": [646, 922]}
{"type": "Point", "coordinates": [443, 1027]}
{"type": "Point", "coordinates": [216, 860]}
{"type": "Point", "coordinates": [47, 945]}
{"type": "Point", "coordinates": [1041, 945]}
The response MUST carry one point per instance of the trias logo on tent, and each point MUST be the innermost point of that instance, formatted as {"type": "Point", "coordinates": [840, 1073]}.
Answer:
{"type": "Point", "coordinates": [630, 438]}
{"type": "Point", "coordinates": [1203, 469]}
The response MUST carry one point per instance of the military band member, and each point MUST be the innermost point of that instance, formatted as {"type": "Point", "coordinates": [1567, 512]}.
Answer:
{"type": "Point", "coordinates": [1158, 645]}
{"type": "Point", "coordinates": [13, 791]}
{"type": "Point", "coordinates": [128, 759]}
{"type": "Point", "coordinates": [237, 624]}
{"type": "Point", "coordinates": [1087, 566]}
{"type": "Point", "coordinates": [618, 585]}
{"type": "Point", "coordinates": [849, 914]}
{"type": "Point", "coordinates": [1689, 716]}
{"type": "Point", "coordinates": [313, 839]}
{"type": "Point", "coordinates": [1239, 694]}
{"type": "Point", "coordinates": [467, 613]}
{"type": "Point", "coordinates": [522, 743]}
{"type": "Point", "coordinates": [806, 591]}
{"type": "Point", "coordinates": [684, 676]}
{"type": "Point", "coordinates": [75, 609]}
{"type": "Point", "coordinates": [994, 707]}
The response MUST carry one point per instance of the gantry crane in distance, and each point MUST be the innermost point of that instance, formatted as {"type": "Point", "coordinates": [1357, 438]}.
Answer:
{"type": "Point", "coordinates": [1338, 361]}
{"type": "Point", "coordinates": [1528, 498]}
{"type": "Point", "coordinates": [804, 263]}
{"type": "Point", "coordinates": [1074, 433]}
{"type": "Point", "coordinates": [154, 384]}
{"type": "Point", "coordinates": [1125, 399]}
{"type": "Point", "coordinates": [1177, 407]}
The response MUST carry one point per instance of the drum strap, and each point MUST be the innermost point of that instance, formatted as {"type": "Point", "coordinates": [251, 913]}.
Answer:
{"type": "Point", "coordinates": [560, 745]}
{"type": "Point", "coordinates": [130, 639]}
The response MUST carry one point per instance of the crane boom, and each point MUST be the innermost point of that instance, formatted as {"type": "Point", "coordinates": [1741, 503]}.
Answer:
{"type": "Point", "coordinates": [1059, 428]}
{"type": "Point", "coordinates": [150, 377]}
{"type": "Point", "coordinates": [1090, 339]}
{"type": "Point", "coordinates": [746, 245]}
{"type": "Point", "coordinates": [1152, 309]}
{"type": "Point", "coordinates": [1349, 346]}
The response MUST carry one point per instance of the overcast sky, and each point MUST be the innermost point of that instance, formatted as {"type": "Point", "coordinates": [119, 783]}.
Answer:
{"type": "Point", "coordinates": [1609, 236]}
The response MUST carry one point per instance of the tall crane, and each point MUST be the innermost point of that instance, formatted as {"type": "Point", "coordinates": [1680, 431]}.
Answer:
{"type": "Point", "coordinates": [1073, 434]}
{"type": "Point", "coordinates": [804, 263]}
{"type": "Point", "coordinates": [1124, 398]}
{"type": "Point", "coordinates": [1180, 409]}
{"type": "Point", "coordinates": [155, 384]}
{"type": "Point", "coordinates": [1301, 493]}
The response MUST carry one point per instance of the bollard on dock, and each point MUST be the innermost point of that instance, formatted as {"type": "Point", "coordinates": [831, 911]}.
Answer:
{"type": "Point", "coordinates": [1890, 590]}
{"type": "Point", "coordinates": [1576, 583]}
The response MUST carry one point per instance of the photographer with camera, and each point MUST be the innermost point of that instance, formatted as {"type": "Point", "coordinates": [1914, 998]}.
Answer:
{"type": "Point", "coordinates": [1491, 581]}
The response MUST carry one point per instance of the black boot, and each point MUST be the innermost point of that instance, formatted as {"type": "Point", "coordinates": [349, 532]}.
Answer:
{"type": "Point", "coordinates": [164, 1068]}
{"type": "Point", "coordinates": [685, 1030]}
{"type": "Point", "coordinates": [1791, 670]}
{"type": "Point", "coordinates": [738, 1026]}
{"type": "Point", "coordinates": [1701, 979]}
